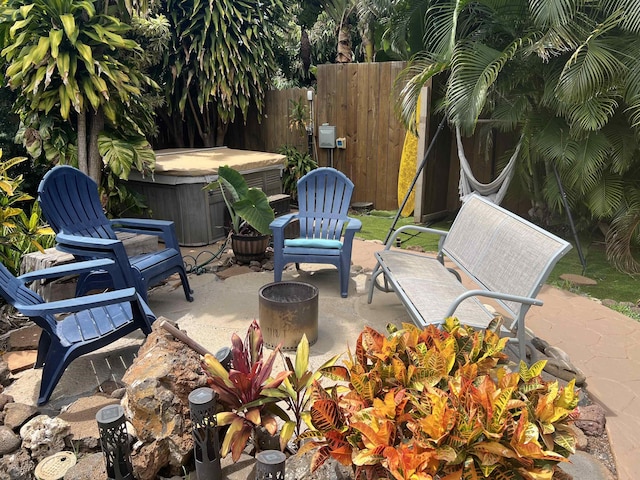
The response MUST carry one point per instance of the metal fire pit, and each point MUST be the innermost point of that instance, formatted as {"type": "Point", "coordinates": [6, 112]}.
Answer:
{"type": "Point", "coordinates": [288, 310]}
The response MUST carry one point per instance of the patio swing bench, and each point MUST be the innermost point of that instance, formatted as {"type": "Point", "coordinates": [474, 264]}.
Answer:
{"type": "Point", "coordinates": [505, 257]}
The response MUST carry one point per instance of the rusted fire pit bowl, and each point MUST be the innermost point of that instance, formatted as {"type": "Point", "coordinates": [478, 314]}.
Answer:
{"type": "Point", "coordinates": [288, 310]}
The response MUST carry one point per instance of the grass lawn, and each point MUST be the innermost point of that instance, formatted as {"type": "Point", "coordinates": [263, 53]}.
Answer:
{"type": "Point", "coordinates": [611, 283]}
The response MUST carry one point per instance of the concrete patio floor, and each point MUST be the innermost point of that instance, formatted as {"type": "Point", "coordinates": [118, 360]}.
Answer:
{"type": "Point", "coordinates": [601, 342]}
{"type": "Point", "coordinates": [604, 344]}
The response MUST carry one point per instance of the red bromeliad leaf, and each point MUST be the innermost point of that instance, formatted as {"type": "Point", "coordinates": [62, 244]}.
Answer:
{"type": "Point", "coordinates": [270, 424]}
{"type": "Point", "coordinates": [225, 418]}
{"type": "Point", "coordinates": [234, 427]}
{"type": "Point", "coordinates": [227, 396]}
{"type": "Point", "coordinates": [254, 342]}
{"type": "Point", "coordinates": [265, 368]}
{"type": "Point", "coordinates": [326, 416]}
{"type": "Point", "coordinates": [240, 359]}
{"type": "Point", "coordinates": [239, 442]}
{"type": "Point", "coordinates": [243, 384]}
{"type": "Point", "coordinates": [253, 415]}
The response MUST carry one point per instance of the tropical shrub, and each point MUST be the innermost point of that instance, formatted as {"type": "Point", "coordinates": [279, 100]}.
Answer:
{"type": "Point", "coordinates": [20, 232]}
{"type": "Point", "coordinates": [295, 390]}
{"type": "Point", "coordinates": [241, 391]}
{"type": "Point", "coordinates": [437, 403]}
{"type": "Point", "coordinates": [297, 165]}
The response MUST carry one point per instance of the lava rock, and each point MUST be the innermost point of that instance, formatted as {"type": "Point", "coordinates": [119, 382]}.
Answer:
{"type": "Point", "coordinates": [9, 441]}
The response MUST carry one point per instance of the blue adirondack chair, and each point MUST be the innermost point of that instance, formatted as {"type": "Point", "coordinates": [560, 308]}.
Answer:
{"type": "Point", "coordinates": [324, 195]}
{"type": "Point", "coordinates": [71, 204]}
{"type": "Point", "coordinates": [93, 321]}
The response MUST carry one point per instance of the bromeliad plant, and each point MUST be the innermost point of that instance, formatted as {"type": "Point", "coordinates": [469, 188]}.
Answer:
{"type": "Point", "coordinates": [435, 403]}
{"type": "Point", "coordinates": [241, 391]}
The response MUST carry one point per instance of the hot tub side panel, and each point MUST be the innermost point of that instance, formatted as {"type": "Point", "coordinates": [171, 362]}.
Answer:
{"type": "Point", "coordinates": [198, 214]}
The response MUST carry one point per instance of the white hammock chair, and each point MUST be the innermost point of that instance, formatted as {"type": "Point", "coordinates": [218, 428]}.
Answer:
{"type": "Point", "coordinates": [494, 191]}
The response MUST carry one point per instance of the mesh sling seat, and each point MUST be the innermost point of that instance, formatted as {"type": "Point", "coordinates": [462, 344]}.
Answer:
{"type": "Point", "coordinates": [326, 230]}
{"type": "Point", "coordinates": [93, 321]}
{"type": "Point", "coordinates": [71, 204]}
{"type": "Point", "coordinates": [494, 191]}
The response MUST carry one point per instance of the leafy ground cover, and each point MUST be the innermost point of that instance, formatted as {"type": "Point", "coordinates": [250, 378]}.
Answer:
{"type": "Point", "coordinates": [611, 284]}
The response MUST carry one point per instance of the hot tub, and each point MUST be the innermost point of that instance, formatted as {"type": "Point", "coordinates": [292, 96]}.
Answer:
{"type": "Point", "coordinates": [175, 191]}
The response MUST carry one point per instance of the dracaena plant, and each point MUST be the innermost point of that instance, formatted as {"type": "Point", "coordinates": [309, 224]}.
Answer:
{"type": "Point", "coordinates": [295, 390]}
{"type": "Point", "coordinates": [437, 403]}
{"type": "Point", "coordinates": [241, 391]}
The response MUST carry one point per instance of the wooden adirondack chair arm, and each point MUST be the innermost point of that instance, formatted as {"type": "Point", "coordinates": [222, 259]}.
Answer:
{"type": "Point", "coordinates": [67, 269]}
{"type": "Point", "coordinates": [78, 304]}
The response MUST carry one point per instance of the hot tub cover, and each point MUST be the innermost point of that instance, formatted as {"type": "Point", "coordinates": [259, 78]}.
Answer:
{"type": "Point", "coordinates": [205, 161]}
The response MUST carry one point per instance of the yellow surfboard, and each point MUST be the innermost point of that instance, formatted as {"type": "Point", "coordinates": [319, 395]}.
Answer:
{"type": "Point", "coordinates": [407, 171]}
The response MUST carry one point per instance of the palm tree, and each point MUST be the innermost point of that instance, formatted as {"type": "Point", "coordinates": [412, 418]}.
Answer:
{"type": "Point", "coordinates": [69, 60]}
{"type": "Point", "coordinates": [566, 74]}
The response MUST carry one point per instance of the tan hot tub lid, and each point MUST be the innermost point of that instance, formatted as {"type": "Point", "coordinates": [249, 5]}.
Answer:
{"type": "Point", "coordinates": [205, 161]}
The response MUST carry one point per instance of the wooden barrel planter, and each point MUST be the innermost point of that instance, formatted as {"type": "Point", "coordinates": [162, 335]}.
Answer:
{"type": "Point", "coordinates": [248, 248]}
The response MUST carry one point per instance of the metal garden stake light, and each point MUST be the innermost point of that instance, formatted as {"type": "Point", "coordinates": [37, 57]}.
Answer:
{"type": "Point", "coordinates": [270, 465]}
{"type": "Point", "coordinates": [114, 440]}
{"type": "Point", "coordinates": [202, 404]}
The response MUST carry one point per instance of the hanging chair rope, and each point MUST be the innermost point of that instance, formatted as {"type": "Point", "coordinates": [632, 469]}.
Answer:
{"type": "Point", "coordinates": [494, 191]}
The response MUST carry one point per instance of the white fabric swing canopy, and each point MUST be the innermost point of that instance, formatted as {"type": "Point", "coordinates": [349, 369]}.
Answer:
{"type": "Point", "coordinates": [494, 191]}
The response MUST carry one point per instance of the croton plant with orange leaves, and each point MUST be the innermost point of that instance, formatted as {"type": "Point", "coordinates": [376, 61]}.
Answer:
{"type": "Point", "coordinates": [439, 403]}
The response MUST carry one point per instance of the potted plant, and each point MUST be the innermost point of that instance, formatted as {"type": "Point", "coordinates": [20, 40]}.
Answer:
{"type": "Point", "coordinates": [249, 212]}
{"type": "Point", "coordinates": [436, 404]}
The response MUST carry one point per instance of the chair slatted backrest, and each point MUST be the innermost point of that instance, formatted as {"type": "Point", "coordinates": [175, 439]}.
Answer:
{"type": "Point", "coordinates": [71, 203]}
{"type": "Point", "coordinates": [15, 293]}
{"type": "Point", "coordinates": [504, 252]}
{"type": "Point", "coordinates": [324, 196]}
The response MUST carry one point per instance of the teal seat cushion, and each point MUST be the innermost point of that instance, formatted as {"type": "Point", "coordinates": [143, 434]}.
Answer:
{"type": "Point", "coordinates": [313, 243]}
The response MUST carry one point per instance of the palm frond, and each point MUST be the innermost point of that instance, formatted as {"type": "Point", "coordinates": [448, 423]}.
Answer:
{"type": "Point", "coordinates": [630, 10]}
{"type": "Point", "coordinates": [409, 83]}
{"type": "Point", "coordinates": [474, 69]}
{"type": "Point", "coordinates": [592, 68]}
{"type": "Point", "coordinates": [624, 145]}
{"type": "Point", "coordinates": [442, 26]}
{"type": "Point", "coordinates": [594, 112]}
{"type": "Point", "coordinates": [606, 196]}
{"type": "Point", "coordinates": [586, 168]}
{"type": "Point", "coordinates": [548, 13]}
{"type": "Point", "coordinates": [623, 235]}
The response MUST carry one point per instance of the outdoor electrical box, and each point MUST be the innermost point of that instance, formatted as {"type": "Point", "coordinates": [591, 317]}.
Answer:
{"type": "Point", "coordinates": [327, 136]}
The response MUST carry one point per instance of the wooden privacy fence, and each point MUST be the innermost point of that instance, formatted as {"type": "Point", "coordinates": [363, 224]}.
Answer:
{"type": "Point", "coordinates": [357, 99]}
